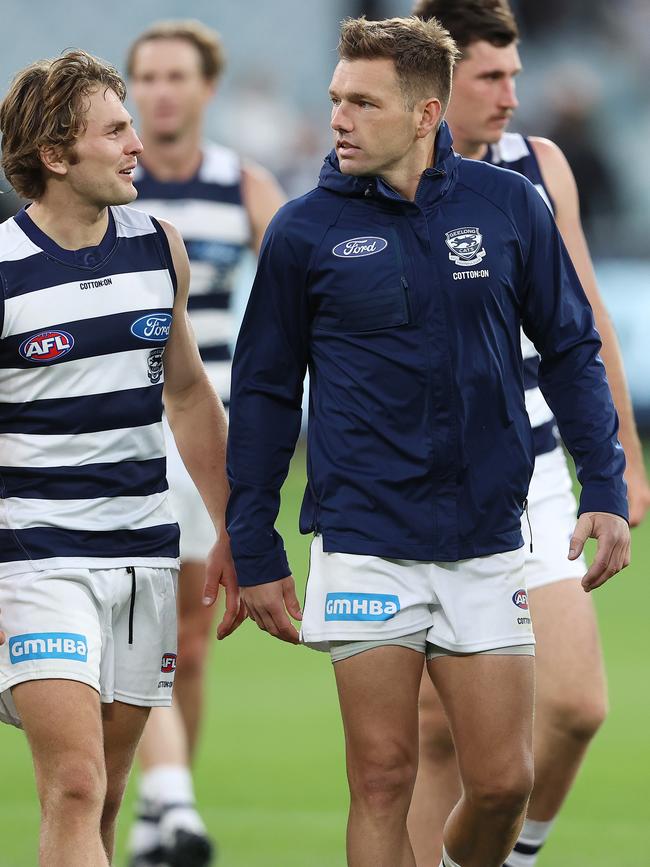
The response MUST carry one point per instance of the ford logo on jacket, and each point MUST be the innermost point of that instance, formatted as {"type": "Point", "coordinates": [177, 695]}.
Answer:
{"type": "Point", "coordinates": [419, 444]}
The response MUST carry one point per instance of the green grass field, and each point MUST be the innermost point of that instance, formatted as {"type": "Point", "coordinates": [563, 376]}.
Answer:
{"type": "Point", "coordinates": [270, 774]}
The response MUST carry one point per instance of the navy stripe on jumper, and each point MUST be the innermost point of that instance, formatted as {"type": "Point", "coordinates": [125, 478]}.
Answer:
{"type": "Point", "coordinates": [221, 352]}
{"type": "Point", "coordinates": [128, 256]}
{"type": "Point", "coordinates": [205, 191]}
{"type": "Point", "coordinates": [101, 335]}
{"type": "Point", "coordinates": [531, 372]}
{"type": "Point", "coordinates": [217, 300]}
{"type": "Point", "coordinates": [40, 543]}
{"type": "Point", "coordinates": [526, 848]}
{"type": "Point", "coordinates": [545, 438]}
{"type": "Point", "coordinates": [214, 251]}
{"type": "Point", "coordinates": [86, 482]}
{"type": "Point", "coordinates": [133, 407]}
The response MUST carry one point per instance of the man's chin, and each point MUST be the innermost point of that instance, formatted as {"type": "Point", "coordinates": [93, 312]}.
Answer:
{"type": "Point", "coordinates": [348, 167]}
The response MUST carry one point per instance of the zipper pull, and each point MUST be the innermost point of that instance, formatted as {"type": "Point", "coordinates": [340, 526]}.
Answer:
{"type": "Point", "coordinates": [530, 529]}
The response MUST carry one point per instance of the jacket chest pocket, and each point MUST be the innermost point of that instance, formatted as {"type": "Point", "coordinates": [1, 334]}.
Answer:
{"type": "Point", "coordinates": [365, 310]}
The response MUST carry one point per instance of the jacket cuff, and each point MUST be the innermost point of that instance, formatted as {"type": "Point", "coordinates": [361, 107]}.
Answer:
{"type": "Point", "coordinates": [255, 568]}
{"type": "Point", "coordinates": [600, 497]}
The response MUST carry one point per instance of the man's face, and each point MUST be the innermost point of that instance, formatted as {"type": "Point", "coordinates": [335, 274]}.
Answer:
{"type": "Point", "coordinates": [373, 130]}
{"type": "Point", "coordinates": [169, 88]}
{"type": "Point", "coordinates": [100, 168]}
{"type": "Point", "coordinates": [483, 94]}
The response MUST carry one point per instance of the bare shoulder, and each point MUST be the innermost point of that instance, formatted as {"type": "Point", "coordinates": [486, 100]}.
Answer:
{"type": "Point", "coordinates": [258, 181]}
{"type": "Point", "coordinates": [179, 254]}
{"type": "Point", "coordinates": [551, 159]}
{"type": "Point", "coordinates": [262, 197]}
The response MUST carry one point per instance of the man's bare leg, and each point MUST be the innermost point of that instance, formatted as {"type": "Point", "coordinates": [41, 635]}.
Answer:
{"type": "Point", "coordinates": [489, 702]}
{"type": "Point", "coordinates": [437, 787]}
{"type": "Point", "coordinates": [62, 721]}
{"type": "Point", "coordinates": [378, 692]}
{"type": "Point", "coordinates": [571, 704]}
{"type": "Point", "coordinates": [123, 725]}
{"type": "Point", "coordinates": [170, 736]}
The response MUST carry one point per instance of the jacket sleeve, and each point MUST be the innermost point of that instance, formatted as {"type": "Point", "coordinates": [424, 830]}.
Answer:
{"type": "Point", "coordinates": [268, 370]}
{"type": "Point", "coordinates": [557, 317]}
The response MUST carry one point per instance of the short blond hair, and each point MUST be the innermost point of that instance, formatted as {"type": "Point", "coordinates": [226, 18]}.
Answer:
{"type": "Point", "coordinates": [46, 107]}
{"type": "Point", "coordinates": [423, 52]}
{"type": "Point", "coordinates": [206, 41]}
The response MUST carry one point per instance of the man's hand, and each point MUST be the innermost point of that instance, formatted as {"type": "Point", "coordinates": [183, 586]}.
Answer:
{"type": "Point", "coordinates": [220, 570]}
{"type": "Point", "coordinates": [613, 551]}
{"type": "Point", "coordinates": [638, 496]}
{"type": "Point", "coordinates": [268, 605]}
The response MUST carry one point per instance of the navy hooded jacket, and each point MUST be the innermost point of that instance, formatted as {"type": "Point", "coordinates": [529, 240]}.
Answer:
{"type": "Point", "coordinates": [408, 316]}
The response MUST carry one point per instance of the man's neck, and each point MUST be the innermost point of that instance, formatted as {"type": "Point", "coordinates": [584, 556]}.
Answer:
{"type": "Point", "coordinates": [405, 177]}
{"type": "Point", "coordinates": [72, 226]}
{"type": "Point", "coordinates": [172, 159]}
{"type": "Point", "coordinates": [471, 150]}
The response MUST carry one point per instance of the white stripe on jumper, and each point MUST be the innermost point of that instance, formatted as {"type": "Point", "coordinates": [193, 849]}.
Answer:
{"type": "Point", "coordinates": [99, 514]}
{"type": "Point", "coordinates": [73, 450]}
{"type": "Point", "coordinates": [199, 220]}
{"type": "Point", "coordinates": [538, 410]}
{"type": "Point", "coordinates": [45, 308]}
{"type": "Point", "coordinates": [85, 376]}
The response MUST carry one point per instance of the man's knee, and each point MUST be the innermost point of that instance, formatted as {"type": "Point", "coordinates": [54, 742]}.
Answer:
{"type": "Point", "coordinates": [193, 643]}
{"type": "Point", "coordinates": [578, 715]}
{"type": "Point", "coordinates": [79, 782]}
{"type": "Point", "coordinates": [504, 792]}
{"type": "Point", "coordinates": [383, 779]}
{"type": "Point", "coordinates": [436, 742]}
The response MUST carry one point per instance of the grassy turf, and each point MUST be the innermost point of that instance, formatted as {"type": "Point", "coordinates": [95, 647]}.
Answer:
{"type": "Point", "coordinates": [270, 774]}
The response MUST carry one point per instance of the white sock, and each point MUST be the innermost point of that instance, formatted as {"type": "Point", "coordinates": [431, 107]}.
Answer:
{"type": "Point", "coordinates": [531, 839]}
{"type": "Point", "coordinates": [167, 784]}
{"type": "Point", "coordinates": [446, 860]}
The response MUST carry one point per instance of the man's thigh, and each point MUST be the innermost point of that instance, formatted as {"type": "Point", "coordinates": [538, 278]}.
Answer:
{"type": "Point", "coordinates": [378, 693]}
{"type": "Point", "coordinates": [488, 699]}
{"type": "Point", "coordinates": [62, 721]}
{"type": "Point", "coordinates": [569, 658]}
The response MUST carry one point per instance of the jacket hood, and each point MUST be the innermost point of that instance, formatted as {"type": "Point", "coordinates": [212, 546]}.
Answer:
{"type": "Point", "coordinates": [445, 162]}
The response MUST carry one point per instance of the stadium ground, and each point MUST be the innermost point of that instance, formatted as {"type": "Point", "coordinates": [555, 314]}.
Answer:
{"type": "Point", "coordinates": [270, 773]}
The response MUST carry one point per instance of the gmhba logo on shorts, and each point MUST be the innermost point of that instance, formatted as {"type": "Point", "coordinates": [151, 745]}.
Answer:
{"type": "Point", "coordinates": [48, 645]}
{"type": "Point", "coordinates": [361, 606]}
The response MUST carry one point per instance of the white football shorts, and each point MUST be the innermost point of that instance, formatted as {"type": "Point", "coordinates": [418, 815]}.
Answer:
{"type": "Point", "coordinates": [552, 511]}
{"type": "Point", "coordinates": [113, 629]}
{"type": "Point", "coordinates": [466, 607]}
{"type": "Point", "coordinates": [197, 530]}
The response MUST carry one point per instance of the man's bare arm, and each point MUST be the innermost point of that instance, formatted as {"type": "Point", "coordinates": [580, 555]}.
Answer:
{"type": "Point", "coordinates": [561, 184]}
{"type": "Point", "coordinates": [262, 197]}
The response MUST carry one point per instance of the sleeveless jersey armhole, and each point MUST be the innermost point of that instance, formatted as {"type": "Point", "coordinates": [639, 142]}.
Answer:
{"type": "Point", "coordinates": [165, 251]}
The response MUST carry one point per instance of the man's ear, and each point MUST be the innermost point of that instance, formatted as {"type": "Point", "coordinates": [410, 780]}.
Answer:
{"type": "Point", "coordinates": [54, 160]}
{"type": "Point", "coordinates": [431, 113]}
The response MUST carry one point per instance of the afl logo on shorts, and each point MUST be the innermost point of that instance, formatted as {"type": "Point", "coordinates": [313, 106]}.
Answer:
{"type": "Point", "coordinates": [168, 663]}
{"type": "Point", "coordinates": [520, 598]}
{"type": "Point", "coordinates": [46, 346]}
{"type": "Point", "coordinates": [155, 326]}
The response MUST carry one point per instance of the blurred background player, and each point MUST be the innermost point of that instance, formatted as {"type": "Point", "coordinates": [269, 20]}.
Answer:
{"type": "Point", "coordinates": [571, 698]}
{"type": "Point", "coordinates": [221, 207]}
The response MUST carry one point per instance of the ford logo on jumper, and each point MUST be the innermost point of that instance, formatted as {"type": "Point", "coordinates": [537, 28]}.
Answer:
{"type": "Point", "coordinates": [355, 248]}
{"type": "Point", "coordinates": [155, 326]}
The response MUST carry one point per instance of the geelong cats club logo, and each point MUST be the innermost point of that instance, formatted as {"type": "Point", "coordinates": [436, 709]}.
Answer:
{"type": "Point", "coordinates": [466, 245]}
{"type": "Point", "coordinates": [155, 365]}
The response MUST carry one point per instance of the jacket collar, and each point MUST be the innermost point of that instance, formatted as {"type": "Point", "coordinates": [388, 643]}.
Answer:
{"type": "Point", "coordinates": [440, 175]}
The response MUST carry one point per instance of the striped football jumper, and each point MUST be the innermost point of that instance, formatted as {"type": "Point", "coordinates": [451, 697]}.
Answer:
{"type": "Point", "coordinates": [209, 213]}
{"type": "Point", "coordinates": [82, 455]}
{"type": "Point", "coordinates": [513, 151]}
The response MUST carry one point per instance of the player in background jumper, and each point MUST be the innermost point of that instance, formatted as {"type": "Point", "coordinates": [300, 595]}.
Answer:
{"type": "Point", "coordinates": [571, 698]}
{"type": "Point", "coordinates": [94, 336]}
{"type": "Point", "coordinates": [221, 206]}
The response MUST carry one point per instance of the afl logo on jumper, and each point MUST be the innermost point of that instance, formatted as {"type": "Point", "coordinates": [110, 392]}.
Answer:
{"type": "Point", "coordinates": [466, 245]}
{"type": "Point", "coordinates": [355, 248]}
{"type": "Point", "coordinates": [46, 346]}
{"type": "Point", "coordinates": [520, 598]}
{"type": "Point", "coordinates": [155, 326]}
